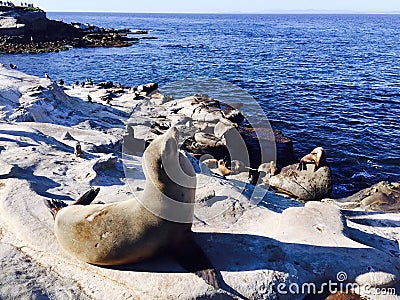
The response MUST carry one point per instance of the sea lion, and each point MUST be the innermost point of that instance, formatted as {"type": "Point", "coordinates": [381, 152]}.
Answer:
{"type": "Point", "coordinates": [267, 170]}
{"type": "Point", "coordinates": [317, 157]}
{"type": "Point", "coordinates": [78, 150]}
{"type": "Point", "coordinates": [238, 166]}
{"type": "Point", "coordinates": [222, 168]}
{"type": "Point", "coordinates": [211, 163]}
{"type": "Point", "coordinates": [208, 139]}
{"type": "Point", "coordinates": [131, 231]}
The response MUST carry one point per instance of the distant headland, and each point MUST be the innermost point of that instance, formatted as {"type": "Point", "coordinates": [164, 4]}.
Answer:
{"type": "Point", "coordinates": [26, 29]}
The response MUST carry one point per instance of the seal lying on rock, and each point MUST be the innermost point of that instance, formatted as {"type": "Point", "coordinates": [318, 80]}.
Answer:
{"type": "Point", "coordinates": [131, 231]}
{"type": "Point", "coordinates": [317, 157]}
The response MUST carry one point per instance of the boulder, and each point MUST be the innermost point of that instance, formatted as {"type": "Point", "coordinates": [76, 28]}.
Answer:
{"type": "Point", "coordinates": [284, 149]}
{"type": "Point", "coordinates": [308, 184]}
{"type": "Point", "coordinates": [148, 88]}
{"type": "Point", "coordinates": [106, 84]}
{"type": "Point", "coordinates": [381, 197]}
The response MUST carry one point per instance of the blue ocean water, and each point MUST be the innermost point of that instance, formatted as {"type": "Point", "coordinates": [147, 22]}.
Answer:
{"type": "Point", "coordinates": [324, 80]}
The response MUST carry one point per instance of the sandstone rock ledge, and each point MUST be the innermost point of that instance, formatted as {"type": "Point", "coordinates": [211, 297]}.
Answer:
{"type": "Point", "coordinates": [255, 247]}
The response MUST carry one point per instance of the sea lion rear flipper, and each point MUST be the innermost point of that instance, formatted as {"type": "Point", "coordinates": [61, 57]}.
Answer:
{"type": "Point", "coordinates": [54, 205]}
{"type": "Point", "coordinates": [192, 258]}
{"type": "Point", "coordinates": [87, 197]}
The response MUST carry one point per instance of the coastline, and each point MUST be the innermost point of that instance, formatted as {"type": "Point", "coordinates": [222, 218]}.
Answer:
{"type": "Point", "coordinates": [310, 243]}
{"type": "Point", "coordinates": [28, 30]}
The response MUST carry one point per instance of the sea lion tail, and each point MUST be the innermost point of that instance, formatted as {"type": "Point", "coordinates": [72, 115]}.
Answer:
{"type": "Point", "coordinates": [87, 197]}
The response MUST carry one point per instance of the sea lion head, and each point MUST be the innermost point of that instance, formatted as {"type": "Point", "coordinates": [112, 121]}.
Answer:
{"type": "Point", "coordinates": [169, 170]}
{"type": "Point", "coordinates": [319, 156]}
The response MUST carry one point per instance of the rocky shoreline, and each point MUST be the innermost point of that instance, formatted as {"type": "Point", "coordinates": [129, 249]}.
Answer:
{"type": "Point", "coordinates": [257, 239]}
{"type": "Point", "coordinates": [28, 30]}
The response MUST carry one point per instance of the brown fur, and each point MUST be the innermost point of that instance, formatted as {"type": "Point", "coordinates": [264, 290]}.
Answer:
{"type": "Point", "coordinates": [317, 157]}
{"type": "Point", "coordinates": [222, 168]}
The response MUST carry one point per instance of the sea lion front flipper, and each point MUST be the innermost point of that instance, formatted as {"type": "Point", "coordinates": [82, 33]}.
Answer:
{"type": "Point", "coordinates": [300, 167]}
{"type": "Point", "coordinates": [210, 276]}
{"type": "Point", "coordinates": [192, 258]}
{"type": "Point", "coordinates": [87, 197]}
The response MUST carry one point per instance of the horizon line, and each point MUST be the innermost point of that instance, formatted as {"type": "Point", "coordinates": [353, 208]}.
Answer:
{"type": "Point", "coordinates": [305, 12]}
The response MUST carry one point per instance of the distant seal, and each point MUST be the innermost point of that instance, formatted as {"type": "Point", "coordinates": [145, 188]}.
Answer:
{"type": "Point", "coordinates": [211, 163]}
{"type": "Point", "coordinates": [317, 157]}
{"type": "Point", "coordinates": [222, 168]}
{"type": "Point", "coordinates": [238, 166]}
{"type": "Point", "coordinates": [12, 66]}
{"type": "Point", "coordinates": [268, 168]}
{"type": "Point", "coordinates": [131, 231]}
{"type": "Point", "coordinates": [78, 150]}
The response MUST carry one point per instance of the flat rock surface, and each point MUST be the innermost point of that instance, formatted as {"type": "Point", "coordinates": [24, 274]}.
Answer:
{"type": "Point", "coordinates": [381, 197]}
{"type": "Point", "coordinates": [254, 238]}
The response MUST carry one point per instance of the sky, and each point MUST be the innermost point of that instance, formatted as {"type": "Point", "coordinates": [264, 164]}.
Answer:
{"type": "Point", "coordinates": [219, 6]}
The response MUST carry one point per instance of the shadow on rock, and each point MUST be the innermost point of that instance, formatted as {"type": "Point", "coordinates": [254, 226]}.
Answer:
{"type": "Point", "coordinates": [40, 184]}
{"type": "Point", "coordinates": [244, 252]}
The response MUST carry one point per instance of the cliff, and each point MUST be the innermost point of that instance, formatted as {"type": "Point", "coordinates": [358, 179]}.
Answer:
{"type": "Point", "coordinates": [28, 30]}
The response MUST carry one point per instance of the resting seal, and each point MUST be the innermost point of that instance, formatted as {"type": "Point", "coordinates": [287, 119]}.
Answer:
{"type": "Point", "coordinates": [317, 157]}
{"type": "Point", "coordinates": [131, 231]}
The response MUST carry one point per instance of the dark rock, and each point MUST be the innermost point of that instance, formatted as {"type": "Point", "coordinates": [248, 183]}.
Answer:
{"type": "Point", "coordinates": [262, 141]}
{"type": "Point", "coordinates": [308, 184]}
{"type": "Point", "coordinates": [147, 88]}
{"type": "Point", "coordinates": [284, 149]}
{"type": "Point", "coordinates": [67, 136]}
{"type": "Point", "coordinates": [139, 32]}
{"type": "Point", "coordinates": [345, 296]}
{"type": "Point", "coordinates": [27, 30]}
{"type": "Point", "coordinates": [106, 85]}
{"type": "Point", "coordinates": [87, 28]}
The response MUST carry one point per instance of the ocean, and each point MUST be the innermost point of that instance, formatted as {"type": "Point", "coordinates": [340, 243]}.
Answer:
{"type": "Point", "coordinates": [324, 80]}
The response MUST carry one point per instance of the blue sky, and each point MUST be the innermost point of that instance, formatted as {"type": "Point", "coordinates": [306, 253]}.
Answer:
{"type": "Point", "coordinates": [220, 6]}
